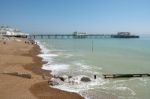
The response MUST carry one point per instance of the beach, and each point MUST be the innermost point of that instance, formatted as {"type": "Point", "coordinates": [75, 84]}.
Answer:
{"type": "Point", "coordinates": [20, 55]}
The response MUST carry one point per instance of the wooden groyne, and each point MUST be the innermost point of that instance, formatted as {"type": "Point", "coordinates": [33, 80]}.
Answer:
{"type": "Point", "coordinates": [125, 75]}
{"type": "Point", "coordinates": [24, 75]}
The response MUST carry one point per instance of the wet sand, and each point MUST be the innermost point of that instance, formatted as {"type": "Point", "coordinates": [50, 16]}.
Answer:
{"type": "Point", "coordinates": [21, 57]}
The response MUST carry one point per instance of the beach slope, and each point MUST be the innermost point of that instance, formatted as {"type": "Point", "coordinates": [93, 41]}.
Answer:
{"type": "Point", "coordinates": [19, 56]}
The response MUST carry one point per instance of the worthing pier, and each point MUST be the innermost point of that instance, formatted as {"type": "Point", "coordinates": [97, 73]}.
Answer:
{"type": "Point", "coordinates": [77, 35]}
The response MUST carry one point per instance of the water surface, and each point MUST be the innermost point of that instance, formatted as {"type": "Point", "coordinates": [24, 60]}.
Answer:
{"type": "Point", "coordinates": [86, 57]}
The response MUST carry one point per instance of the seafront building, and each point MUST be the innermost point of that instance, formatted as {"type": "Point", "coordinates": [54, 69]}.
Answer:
{"type": "Point", "coordinates": [11, 32]}
{"type": "Point", "coordinates": [79, 35]}
{"type": "Point", "coordinates": [124, 33]}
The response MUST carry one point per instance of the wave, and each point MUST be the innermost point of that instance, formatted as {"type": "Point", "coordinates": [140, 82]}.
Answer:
{"type": "Point", "coordinates": [49, 55]}
{"type": "Point", "coordinates": [55, 67]}
{"type": "Point", "coordinates": [81, 69]}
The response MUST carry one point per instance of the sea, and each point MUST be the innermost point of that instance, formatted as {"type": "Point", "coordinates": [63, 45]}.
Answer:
{"type": "Point", "coordinates": [97, 56]}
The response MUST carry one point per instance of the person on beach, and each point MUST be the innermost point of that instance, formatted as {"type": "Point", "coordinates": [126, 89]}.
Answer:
{"type": "Point", "coordinates": [43, 76]}
{"type": "Point", "coordinates": [94, 76]}
{"type": "Point", "coordinates": [4, 42]}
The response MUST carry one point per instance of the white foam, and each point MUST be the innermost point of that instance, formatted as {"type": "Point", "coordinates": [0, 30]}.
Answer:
{"type": "Point", "coordinates": [59, 51]}
{"type": "Point", "coordinates": [87, 68]}
{"type": "Point", "coordinates": [55, 67]}
{"type": "Point", "coordinates": [82, 65]}
{"type": "Point", "coordinates": [44, 50]}
{"type": "Point", "coordinates": [78, 86]}
{"type": "Point", "coordinates": [47, 55]}
{"type": "Point", "coordinates": [126, 89]}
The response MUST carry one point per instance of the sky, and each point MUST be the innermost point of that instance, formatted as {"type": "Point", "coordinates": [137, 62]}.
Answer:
{"type": "Point", "coordinates": [67, 16]}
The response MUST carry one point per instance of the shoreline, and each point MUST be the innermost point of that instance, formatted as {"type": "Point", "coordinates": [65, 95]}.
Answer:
{"type": "Point", "coordinates": [39, 71]}
{"type": "Point", "coordinates": [34, 88]}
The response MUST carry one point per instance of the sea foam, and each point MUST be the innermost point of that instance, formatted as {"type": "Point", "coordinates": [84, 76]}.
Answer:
{"type": "Point", "coordinates": [48, 56]}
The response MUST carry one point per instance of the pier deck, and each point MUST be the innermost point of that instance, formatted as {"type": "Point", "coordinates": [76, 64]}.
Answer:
{"type": "Point", "coordinates": [67, 36]}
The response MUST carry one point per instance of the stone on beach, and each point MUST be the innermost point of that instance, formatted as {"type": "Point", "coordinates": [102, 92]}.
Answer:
{"type": "Point", "coordinates": [63, 78]}
{"type": "Point", "coordinates": [85, 79]}
{"type": "Point", "coordinates": [54, 81]}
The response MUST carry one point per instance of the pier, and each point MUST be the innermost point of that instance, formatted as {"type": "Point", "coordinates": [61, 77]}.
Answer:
{"type": "Point", "coordinates": [83, 36]}
{"type": "Point", "coordinates": [125, 75]}
{"type": "Point", "coordinates": [69, 36]}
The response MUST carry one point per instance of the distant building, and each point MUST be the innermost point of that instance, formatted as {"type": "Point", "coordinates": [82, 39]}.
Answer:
{"type": "Point", "coordinates": [79, 33]}
{"type": "Point", "coordinates": [123, 33]}
{"type": "Point", "coordinates": [7, 31]}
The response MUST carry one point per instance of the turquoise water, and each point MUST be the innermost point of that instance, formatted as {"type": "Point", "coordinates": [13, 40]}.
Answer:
{"type": "Point", "coordinates": [86, 57]}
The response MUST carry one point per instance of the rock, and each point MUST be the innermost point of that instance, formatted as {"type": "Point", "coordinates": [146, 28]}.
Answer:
{"type": "Point", "coordinates": [85, 79]}
{"type": "Point", "coordinates": [69, 77]}
{"type": "Point", "coordinates": [54, 82]}
{"type": "Point", "coordinates": [63, 78]}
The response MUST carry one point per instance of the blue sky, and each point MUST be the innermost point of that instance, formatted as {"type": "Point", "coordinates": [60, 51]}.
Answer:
{"type": "Point", "coordinates": [67, 16]}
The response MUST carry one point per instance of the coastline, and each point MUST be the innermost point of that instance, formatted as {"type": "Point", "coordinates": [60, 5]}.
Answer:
{"type": "Point", "coordinates": [46, 90]}
{"type": "Point", "coordinates": [26, 60]}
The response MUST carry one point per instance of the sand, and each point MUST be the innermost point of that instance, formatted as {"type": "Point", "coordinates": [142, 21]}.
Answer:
{"type": "Point", "coordinates": [21, 57]}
